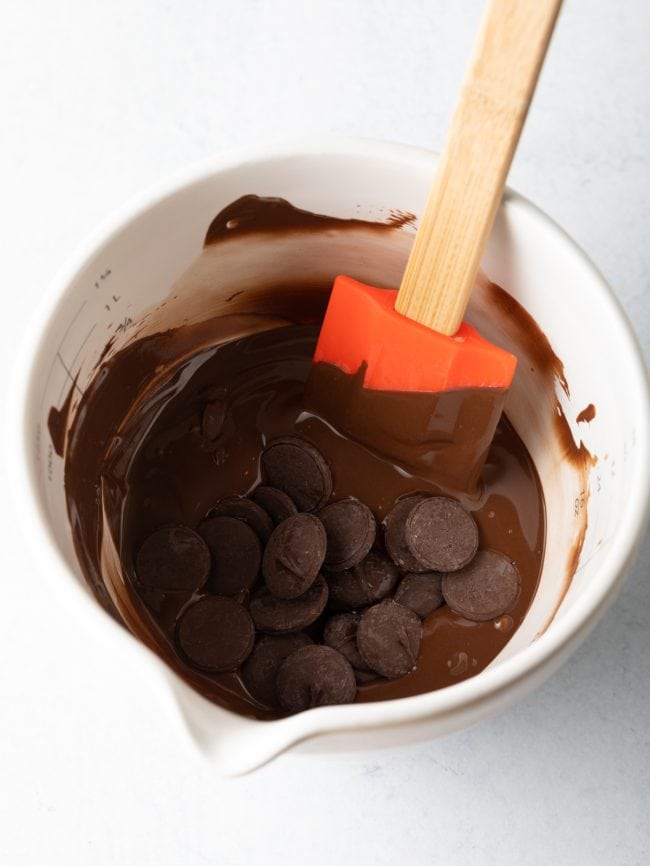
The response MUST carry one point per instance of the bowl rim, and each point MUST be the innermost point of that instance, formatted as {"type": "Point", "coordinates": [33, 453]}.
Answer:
{"type": "Point", "coordinates": [576, 621]}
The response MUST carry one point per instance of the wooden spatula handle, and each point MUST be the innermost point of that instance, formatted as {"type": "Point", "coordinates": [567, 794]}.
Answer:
{"type": "Point", "coordinates": [474, 163]}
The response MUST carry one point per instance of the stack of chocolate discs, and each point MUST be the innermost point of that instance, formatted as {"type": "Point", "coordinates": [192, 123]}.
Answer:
{"type": "Point", "coordinates": [300, 595]}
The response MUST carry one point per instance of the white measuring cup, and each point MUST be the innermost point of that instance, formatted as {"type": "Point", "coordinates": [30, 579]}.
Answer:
{"type": "Point", "coordinates": [595, 515]}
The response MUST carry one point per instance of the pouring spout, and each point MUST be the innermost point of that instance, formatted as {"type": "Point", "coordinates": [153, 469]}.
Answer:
{"type": "Point", "coordinates": [232, 744]}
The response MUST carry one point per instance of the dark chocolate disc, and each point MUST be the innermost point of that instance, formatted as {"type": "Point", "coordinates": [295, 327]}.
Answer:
{"type": "Point", "coordinates": [212, 420]}
{"type": "Point", "coordinates": [236, 554]}
{"type": "Point", "coordinates": [246, 510]}
{"type": "Point", "coordinates": [215, 634]}
{"type": "Point", "coordinates": [300, 470]}
{"type": "Point", "coordinates": [273, 615]}
{"type": "Point", "coordinates": [421, 593]}
{"type": "Point", "coordinates": [441, 534]}
{"type": "Point", "coordinates": [172, 558]}
{"type": "Point", "coordinates": [394, 534]}
{"type": "Point", "coordinates": [388, 638]}
{"type": "Point", "coordinates": [260, 669]}
{"type": "Point", "coordinates": [294, 555]}
{"type": "Point", "coordinates": [365, 676]}
{"type": "Point", "coordinates": [351, 529]}
{"type": "Point", "coordinates": [366, 583]}
{"type": "Point", "coordinates": [484, 589]}
{"type": "Point", "coordinates": [275, 502]}
{"type": "Point", "coordinates": [315, 676]}
{"type": "Point", "coordinates": [341, 634]}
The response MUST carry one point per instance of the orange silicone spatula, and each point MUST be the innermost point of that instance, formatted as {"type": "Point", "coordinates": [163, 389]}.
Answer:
{"type": "Point", "coordinates": [399, 370]}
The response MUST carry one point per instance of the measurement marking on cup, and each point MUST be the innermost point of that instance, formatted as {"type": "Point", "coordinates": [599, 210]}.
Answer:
{"type": "Point", "coordinates": [70, 376]}
{"type": "Point", "coordinates": [99, 283]}
{"type": "Point", "coordinates": [58, 351]}
{"type": "Point", "coordinates": [73, 320]}
{"type": "Point", "coordinates": [103, 277]}
{"type": "Point", "coordinates": [77, 353]}
{"type": "Point", "coordinates": [579, 503]}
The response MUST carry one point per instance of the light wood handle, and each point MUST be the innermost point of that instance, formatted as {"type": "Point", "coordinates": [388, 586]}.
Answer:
{"type": "Point", "coordinates": [472, 169]}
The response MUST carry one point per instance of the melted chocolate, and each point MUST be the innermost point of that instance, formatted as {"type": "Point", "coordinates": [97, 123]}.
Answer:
{"type": "Point", "coordinates": [58, 420]}
{"type": "Point", "coordinates": [444, 436]}
{"type": "Point", "coordinates": [587, 415]}
{"type": "Point", "coordinates": [159, 469]}
{"type": "Point", "coordinates": [250, 214]}
{"type": "Point", "coordinates": [535, 350]}
{"type": "Point", "coordinates": [136, 458]}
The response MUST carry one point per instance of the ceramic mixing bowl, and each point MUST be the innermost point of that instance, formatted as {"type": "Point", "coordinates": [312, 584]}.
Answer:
{"type": "Point", "coordinates": [596, 508]}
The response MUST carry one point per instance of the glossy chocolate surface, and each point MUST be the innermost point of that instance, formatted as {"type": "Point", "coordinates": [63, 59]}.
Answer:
{"type": "Point", "coordinates": [139, 457]}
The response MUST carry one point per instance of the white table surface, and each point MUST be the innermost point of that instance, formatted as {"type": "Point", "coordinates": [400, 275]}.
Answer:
{"type": "Point", "coordinates": [99, 99]}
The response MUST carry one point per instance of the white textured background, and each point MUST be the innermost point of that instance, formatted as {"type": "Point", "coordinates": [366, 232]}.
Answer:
{"type": "Point", "coordinates": [99, 99]}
